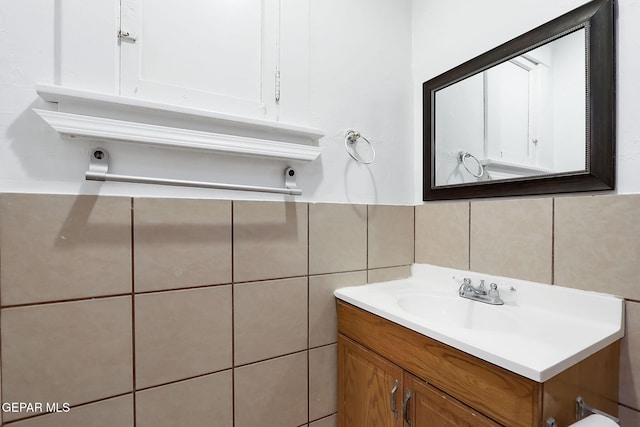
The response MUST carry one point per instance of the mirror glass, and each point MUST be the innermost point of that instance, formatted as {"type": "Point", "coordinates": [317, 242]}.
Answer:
{"type": "Point", "coordinates": [535, 115]}
{"type": "Point", "coordinates": [523, 117]}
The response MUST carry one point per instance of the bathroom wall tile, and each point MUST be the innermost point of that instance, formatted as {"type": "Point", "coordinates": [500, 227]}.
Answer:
{"type": "Point", "coordinates": [59, 247]}
{"type": "Point", "coordinates": [199, 402]}
{"type": "Point", "coordinates": [628, 417]}
{"type": "Point", "coordinates": [337, 238]}
{"type": "Point", "coordinates": [105, 413]}
{"type": "Point", "coordinates": [323, 381]}
{"type": "Point", "coordinates": [331, 421]}
{"type": "Point", "coordinates": [391, 237]}
{"type": "Point", "coordinates": [512, 238]}
{"type": "Point", "coordinates": [629, 389]}
{"type": "Point", "coordinates": [323, 317]}
{"type": "Point", "coordinates": [270, 319]}
{"type": "Point", "coordinates": [272, 393]}
{"type": "Point", "coordinates": [72, 352]}
{"type": "Point", "coordinates": [270, 240]}
{"type": "Point", "coordinates": [597, 244]}
{"type": "Point", "coordinates": [442, 234]}
{"type": "Point", "coordinates": [180, 334]}
{"type": "Point", "coordinates": [181, 243]}
{"type": "Point", "coordinates": [389, 273]}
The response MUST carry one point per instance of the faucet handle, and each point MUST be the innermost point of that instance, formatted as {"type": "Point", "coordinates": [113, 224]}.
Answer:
{"type": "Point", "coordinates": [493, 291]}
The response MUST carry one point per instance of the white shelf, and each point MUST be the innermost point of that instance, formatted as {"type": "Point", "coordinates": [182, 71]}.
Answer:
{"type": "Point", "coordinates": [514, 168]}
{"type": "Point", "coordinates": [98, 116]}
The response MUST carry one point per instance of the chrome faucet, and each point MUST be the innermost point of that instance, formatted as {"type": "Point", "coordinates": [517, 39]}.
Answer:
{"type": "Point", "coordinates": [480, 293]}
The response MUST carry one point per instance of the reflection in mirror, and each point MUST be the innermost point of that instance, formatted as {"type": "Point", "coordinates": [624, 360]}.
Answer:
{"type": "Point", "coordinates": [535, 115]}
{"type": "Point", "coordinates": [521, 118]}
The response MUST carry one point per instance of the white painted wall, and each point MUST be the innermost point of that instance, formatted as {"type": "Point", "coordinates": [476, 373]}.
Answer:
{"type": "Point", "coordinates": [448, 33]}
{"type": "Point", "coordinates": [360, 57]}
{"type": "Point", "coordinates": [343, 66]}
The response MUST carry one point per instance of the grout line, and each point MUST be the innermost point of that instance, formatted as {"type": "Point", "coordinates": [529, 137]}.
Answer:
{"type": "Point", "coordinates": [367, 245]}
{"type": "Point", "coordinates": [414, 233]}
{"type": "Point", "coordinates": [194, 377]}
{"type": "Point", "coordinates": [61, 301]}
{"type": "Point", "coordinates": [308, 316]}
{"type": "Point", "coordinates": [133, 310]}
{"type": "Point", "coordinates": [233, 319]}
{"type": "Point", "coordinates": [323, 418]}
{"type": "Point", "coordinates": [243, 365]}
{"type": "Point", "coordinates": [159, 291]}
{"type": "Point", "coordinates": [553, 240]}
{"type": "Point", "coordinates": [323, 345]}
{"type": "Point", "coordinates": [186, 288]}
{"type": "Point", "coordinates": [469, 245]}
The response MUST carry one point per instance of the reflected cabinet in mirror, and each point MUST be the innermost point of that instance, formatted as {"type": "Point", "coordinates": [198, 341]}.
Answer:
{"type": "Point", "coordinates": [532, 116]}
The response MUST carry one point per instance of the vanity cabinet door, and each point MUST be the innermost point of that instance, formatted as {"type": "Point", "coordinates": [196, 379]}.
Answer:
{"type": "Point", "coordinates": [369, 388]}
{"type": "Point", "coordinates": [430, 407]}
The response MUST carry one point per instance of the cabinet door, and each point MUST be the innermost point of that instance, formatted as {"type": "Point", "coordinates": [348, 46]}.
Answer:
{"type": "Point", "coordinates": [210, 54]}
{"type": "Point", "coordinates": [430, 407]}
{"type": "Point", "coordinates": [369, 388]}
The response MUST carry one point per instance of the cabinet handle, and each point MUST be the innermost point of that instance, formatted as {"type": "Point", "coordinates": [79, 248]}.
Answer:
{"type": "Point", "coordinates": [405, 409]}
{"type": "Point", "coordinates": [393, 399]}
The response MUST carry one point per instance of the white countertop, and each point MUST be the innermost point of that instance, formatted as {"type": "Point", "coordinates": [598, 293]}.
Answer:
{"type": "Point", "coordinates": [540, 331]}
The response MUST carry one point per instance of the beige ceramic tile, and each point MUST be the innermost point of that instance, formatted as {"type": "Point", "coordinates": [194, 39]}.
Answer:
{"type": "Point", "coordinates": [323, 320]}
{"type": "Point", "coordinates": [323, 381]}
{"type": "Point", "coordinates": [199, 402]}
{"type": "Point", "coordinates": [272, 393]}
{"type": "Point", "coordinates": [71, 352]}
{"type": "Point", "coordinates": [270, 319]}
{"type": "Point", "coordinates": [59, 247]}
{"type": "Point", "coordinates": [512, 238]}
{"type": "Point", "coordinates": [181, 243]}
{"type": "Point", "coordinates": [337, 238]}
{"type": "Point", "coordinates": [442, 234]}
{"type": "Point", "coordinates": [390, 273]}
{"type": "Point", "coordinates": [180, 334]}
{"type": "Point", "coordinates": [391, 237]}
{"type": "Point", "coordinates": [628, 417]}
{"type": "Point", "coordinates": [629, 391]}
{"type": "Point", "coordinates": [597, 244]}
{"type": "Point", "coordinates": [106, 413]}
{"type": "Point", "coordinates": [331, 421]}
{"type": "Point", "coordinates": [270, 240]}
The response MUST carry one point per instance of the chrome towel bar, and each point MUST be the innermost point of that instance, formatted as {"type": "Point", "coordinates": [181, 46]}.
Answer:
{"type": "Point", "coordinates": [99, 171]}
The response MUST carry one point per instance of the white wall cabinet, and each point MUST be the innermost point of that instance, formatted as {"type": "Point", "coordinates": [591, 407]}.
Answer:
{"type": "Point", "coordinates": [229, 56]}
{"type": "Point", "coordinates": [217, 55]}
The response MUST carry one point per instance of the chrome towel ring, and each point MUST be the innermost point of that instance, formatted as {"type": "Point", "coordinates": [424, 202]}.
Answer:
{"type": "Point", "coordinates": [464, 155]}
{"type": "Point", "coordinates": [351, 138]}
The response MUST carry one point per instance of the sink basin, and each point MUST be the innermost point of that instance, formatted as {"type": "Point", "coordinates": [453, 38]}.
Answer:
{"type": "Point", "coordinates": [540, 330]}
{"type": "Point", "coordinates": [452, 311]}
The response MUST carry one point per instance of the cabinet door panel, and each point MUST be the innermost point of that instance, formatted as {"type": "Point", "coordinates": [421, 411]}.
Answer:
{"type": "Point", "coordinates": [430, 407]}
{"type": "Point", "coordinates": [210, 54]}
{"type": "Point", "coordinates": [365, 382]}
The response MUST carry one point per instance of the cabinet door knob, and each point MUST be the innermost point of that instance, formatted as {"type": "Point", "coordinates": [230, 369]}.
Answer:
{"type": "Point", "coordinates": [392, 397]}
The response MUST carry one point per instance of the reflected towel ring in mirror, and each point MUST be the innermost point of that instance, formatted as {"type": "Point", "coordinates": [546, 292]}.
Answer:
{"type": "Point", "coordinates": [463, 155]}
{"type": "Point", "coordinates": [350, 140]}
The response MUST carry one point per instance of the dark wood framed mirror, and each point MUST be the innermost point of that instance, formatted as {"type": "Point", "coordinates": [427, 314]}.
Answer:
{"type": "Point", "coordinates": [550, 130]}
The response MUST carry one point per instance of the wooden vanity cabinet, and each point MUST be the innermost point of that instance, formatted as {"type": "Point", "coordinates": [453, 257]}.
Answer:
{"type": "Point", "coordinates": [380, 362]}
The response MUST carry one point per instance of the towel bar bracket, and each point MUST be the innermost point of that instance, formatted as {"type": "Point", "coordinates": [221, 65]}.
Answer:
{"type": "Point", "coordinates": [99, 171]}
